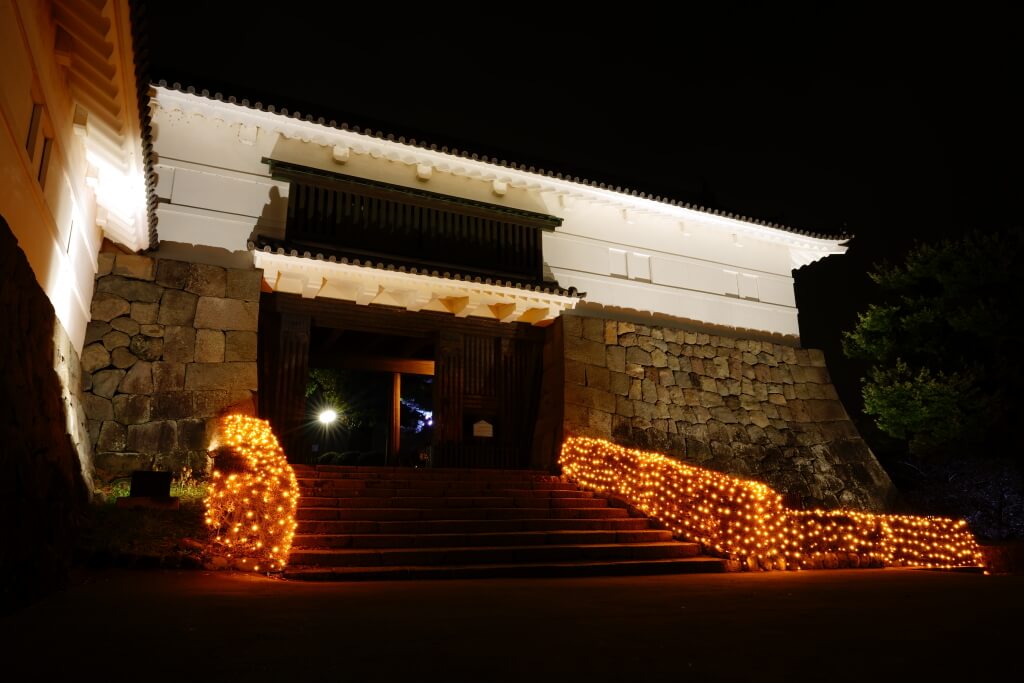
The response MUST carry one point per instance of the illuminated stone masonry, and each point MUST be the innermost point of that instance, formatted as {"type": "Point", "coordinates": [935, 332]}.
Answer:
{"type": "Point", "coordinates": [744, 407]}
{"type": "Point", "coordinates": [170, 345]}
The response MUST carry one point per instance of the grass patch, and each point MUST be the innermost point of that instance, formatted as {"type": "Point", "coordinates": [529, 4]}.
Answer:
{"type": "Point", "coordinates": [158, 537]}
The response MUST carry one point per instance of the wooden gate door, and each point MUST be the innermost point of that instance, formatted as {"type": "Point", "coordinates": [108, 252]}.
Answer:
{"type": "Point", "coordinates": [485, 400]}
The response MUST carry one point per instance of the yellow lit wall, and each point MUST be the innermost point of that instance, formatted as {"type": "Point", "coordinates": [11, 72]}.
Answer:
{"type": "Point", "coordinates": [43, 193]}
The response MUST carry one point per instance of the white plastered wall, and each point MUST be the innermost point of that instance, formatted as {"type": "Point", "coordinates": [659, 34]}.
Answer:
{"type": "Point", "coordinates": [625, 252]}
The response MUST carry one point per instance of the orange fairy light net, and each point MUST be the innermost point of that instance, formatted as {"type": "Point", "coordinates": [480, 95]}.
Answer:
{"type": "Point", "coordinates": [251, 501]}
{"type": "Point", "coordinates": [747, 519]}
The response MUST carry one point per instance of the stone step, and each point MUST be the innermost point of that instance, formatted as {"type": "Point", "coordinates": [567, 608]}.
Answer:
{"type": "Point", "coordinates": [385, 557]}
{"type": "Point", "coordinates": [408, 514]}
{"type": "Point", "coordinates": [471, 526]}
{"type": "Point", "coordinates": [341, 471]}
{"type": "Point", "coordinates": [452, 540]}
{"type": "Point", "coordinates": [426, 475]}
{"type": "Point", "coordinates": [453, 502]}
{"type": "Point", "coordinates": [686, 565]}
{"type": "Point", "coordinates": [336, 493]}
{"type": "Point", "coordinates": [433, 484]}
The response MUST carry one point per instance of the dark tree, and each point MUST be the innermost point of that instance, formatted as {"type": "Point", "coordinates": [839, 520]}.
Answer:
{"type": "Point", "coordinates": [946, 359]}
{"type": "Point", "coordinates": [945, 344]}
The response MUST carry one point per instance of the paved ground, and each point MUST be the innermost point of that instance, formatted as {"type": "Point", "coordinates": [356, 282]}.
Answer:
{"type": "Point", "coordinates": [859, 625]}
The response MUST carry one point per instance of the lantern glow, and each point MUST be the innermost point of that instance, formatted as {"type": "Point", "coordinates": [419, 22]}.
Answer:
{"type": "Point", "coordinates": [250, 511]}
{"type": "Point", "coordinates": [748, 521]}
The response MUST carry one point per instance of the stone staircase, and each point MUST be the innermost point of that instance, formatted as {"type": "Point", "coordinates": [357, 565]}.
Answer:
{"type": "Point", "coordinates": [399, 523]}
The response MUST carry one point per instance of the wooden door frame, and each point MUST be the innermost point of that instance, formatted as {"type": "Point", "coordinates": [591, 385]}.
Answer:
{"type": "Point", "coordinates": [283, 317]}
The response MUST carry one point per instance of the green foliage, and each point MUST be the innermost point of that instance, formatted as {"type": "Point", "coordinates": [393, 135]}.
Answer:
{"type": "Point", "coordinates": [944, 343]}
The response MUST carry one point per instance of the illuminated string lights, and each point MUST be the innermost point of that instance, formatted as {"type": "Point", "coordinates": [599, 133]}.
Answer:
{"type": "Point", "coordinates": [747, 519]}
{"type": "Point", "coordinates": [252, 498]}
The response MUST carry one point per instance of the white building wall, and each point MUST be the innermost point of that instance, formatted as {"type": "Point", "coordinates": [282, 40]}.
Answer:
{"type": "Point", "coordinates": [53, 220]}
{"type": "Point", "coordinates": [624, 252]}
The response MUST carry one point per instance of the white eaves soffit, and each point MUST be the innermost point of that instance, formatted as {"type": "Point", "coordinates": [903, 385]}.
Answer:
{"type": "Point", "coordinates": [365, 284]}
{"type": "Point", "coordinates": [803, 249]}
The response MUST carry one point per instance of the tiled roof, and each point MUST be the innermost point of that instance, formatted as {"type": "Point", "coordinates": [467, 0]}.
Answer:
{"type": "Point", "coordinates": [140, 46]}
{"type": "Point", "coordinates": [285, 248]}
{"type": "Point", "coordinates": [259, 106]}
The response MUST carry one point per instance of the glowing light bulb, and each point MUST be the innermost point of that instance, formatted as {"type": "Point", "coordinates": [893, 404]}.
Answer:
{"type": "Point", "coordinates": [327, 416]}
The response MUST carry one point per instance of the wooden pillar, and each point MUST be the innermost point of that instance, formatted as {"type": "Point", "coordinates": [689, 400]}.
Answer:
{"type": "Point", "coordinates": [395, 416]}
{"type": "Point", "coordinates": [292, 374]}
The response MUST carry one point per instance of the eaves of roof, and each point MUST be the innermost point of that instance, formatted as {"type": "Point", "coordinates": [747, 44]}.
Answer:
{"type": "Point", "coordinates": [259, 106]}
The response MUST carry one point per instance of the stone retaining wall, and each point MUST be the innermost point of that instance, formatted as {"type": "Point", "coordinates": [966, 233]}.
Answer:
{"type": "Point", "coordinates": [750, 408]}
{"type": "Point", "coordinates": [42, 492]}
{"type": "Point", "coordinates": [171, 344]}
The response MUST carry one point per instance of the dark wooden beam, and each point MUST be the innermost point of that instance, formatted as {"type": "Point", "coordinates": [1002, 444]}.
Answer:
{"type": "Point", "coordinates": [395, 428]}
{"type": "Point", "coordinates": [408, 366]}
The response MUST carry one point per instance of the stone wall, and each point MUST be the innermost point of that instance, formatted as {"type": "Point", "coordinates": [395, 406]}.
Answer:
{"type": "Point", "coordinates": [42, 493]}
{"type": "Point", "coordinates": [751, 408]}
{"type": "Point", "coordinates": [170, 345]}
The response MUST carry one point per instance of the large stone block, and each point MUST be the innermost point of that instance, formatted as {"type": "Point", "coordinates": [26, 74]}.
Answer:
{"type": "Point", "coordinates": [126, 325]}
{"type": "Point", "coordinates": [112, 465]}
{"type": "Point", "coordinates": [211, 403]}
{"type": "Point", "coordinates": [97, 407]}
{"type": "Point", "coordinates": [153, 437]}
{"type": "Point", "coordinates": [192, 434]}
{"type": "Point", "coordinates": [179, 343]}
{"type": "Point", "coordinates": [107, 306]}
{"type": "Point", "coordinates": [575, 372]}
{"type": "Point", "coordinates": [95, 330]}
{"type": "Point", "coordinates": [240, 346]}
{"type": "Point", "coordinates": [132, 290]}
{"type": "Point", "coordinates": [145, 313]}
{"type": "Point", "coordinates": [599, 423]}
{"type": "Point", "coordinates": [589, 397]}
{"type": "Point", "coordinates": [572, 326]}
{"type": "Point", "coordinates": [597, 377]}
{"type": "Point", "coordinates": [172, 405]}
{"type": "Point", "coordinates": [147, 348]}
{"type": "Point", "coordinates": [638, 356]}
{"type": "Point", "coordinates": [139, 380]}
{"type": "Point", "coordinates": [123, 358]}
{"type": "Point", "coordinates": [131, 409]}
{"type": "Point", "coordinates": [168, 376]}
{"type": "Point", "coordinates": [649, 391]}
{"type": "Point", "coordinates": [177, 308]}
{"type": "Point", "coordinates": [205, 280]}
{"type": "Point", "coordinates": [593, 329]}
{"type": "Point", "coordinates": [210, 346]}
{"type": "Point", "coordinates": [624, 407]}
{"type": "Point", "coordinates": [105, 382]}
{"type": "Point", "coordinates": [95, 357]}
{"type": "Point", "coordinates": [618, 383]}
{"type": "Point", "coordinates": [200, 376]}
{"type": "Point", "coordinates": [115, 339]}
{"type": "Point", "coordinates": [585, 351]}
{"type": "Point", "coordinates": [172, 274]}
{"type": "Point", "coordinates": [227, 314]}
{"type": "Point", "coordinates": [112, 437]}
{"type": "Point", "coordinates": [104, 263]}
{"type": "Point", "coordinates": [615, 358]}
{"type": "Point", "coordinates": [133, 266]}
{"type": "Point", "coordinates": [243, 284]}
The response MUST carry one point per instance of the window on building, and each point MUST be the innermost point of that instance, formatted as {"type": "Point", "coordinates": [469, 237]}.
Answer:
{"type": "Point", "coordinates": [35, 123]}
{"type": "Point", "coordinates": [44, 160]}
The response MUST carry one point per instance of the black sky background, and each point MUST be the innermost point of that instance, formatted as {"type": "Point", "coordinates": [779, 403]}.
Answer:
{"type": "Point", "coordinates": [892, 130]}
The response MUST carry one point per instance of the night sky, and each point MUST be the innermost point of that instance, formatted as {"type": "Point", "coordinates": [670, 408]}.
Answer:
{"type": "Point", "coordinates": [892, 131]}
